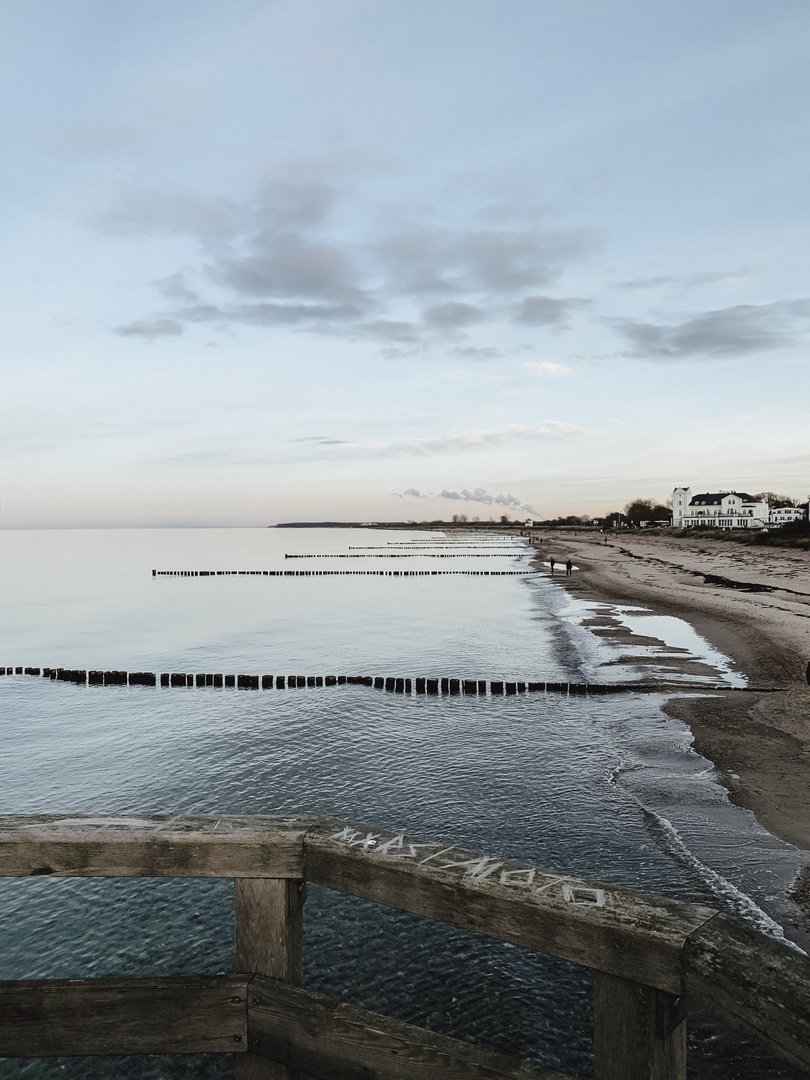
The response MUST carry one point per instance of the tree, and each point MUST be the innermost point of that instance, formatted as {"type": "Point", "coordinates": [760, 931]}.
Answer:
{"type": "Point", "coordinates": [776, 502]}
{"type": "Point", "coordinates": [646, 510]}
{"type": "Point", "coordinates": [640, 510]}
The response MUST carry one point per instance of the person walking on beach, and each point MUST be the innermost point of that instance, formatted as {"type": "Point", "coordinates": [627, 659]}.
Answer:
{"type": "Point", "coordinates": [569, 568]}
{"type": "Point", "coordinates": [551, 564]}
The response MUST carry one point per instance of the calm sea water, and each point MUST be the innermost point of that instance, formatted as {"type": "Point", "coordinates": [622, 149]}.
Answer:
{"type": "Point", "coordinates": [607, 788]}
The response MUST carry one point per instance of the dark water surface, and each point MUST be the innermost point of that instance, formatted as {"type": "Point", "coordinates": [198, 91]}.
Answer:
{"type": "Point", "coordinates": [607, 788]}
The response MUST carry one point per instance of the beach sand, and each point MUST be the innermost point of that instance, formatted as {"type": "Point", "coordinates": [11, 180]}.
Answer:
{"type": "Point", "coordinates": [758, 742]}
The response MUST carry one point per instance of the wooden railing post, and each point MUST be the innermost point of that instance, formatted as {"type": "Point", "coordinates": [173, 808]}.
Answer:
{"type": "Point", "coordinates": [269, 941]}
{"type": "Point", "coordinates": [639, 1033]}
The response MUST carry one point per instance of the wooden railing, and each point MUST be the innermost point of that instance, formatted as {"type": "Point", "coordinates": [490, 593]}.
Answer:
{"type": "Point", "coordinates": [649, 955]}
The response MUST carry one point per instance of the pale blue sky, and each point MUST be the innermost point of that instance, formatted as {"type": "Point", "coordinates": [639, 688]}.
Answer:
{"type": "Point", "coordinates": [287, 260]}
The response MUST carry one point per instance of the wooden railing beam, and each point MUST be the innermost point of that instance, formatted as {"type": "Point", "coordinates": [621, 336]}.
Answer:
{"type": "Point", "coordinates": [753, 984]}
{"type": "Point", "coordinates": [192, 1014]}
{"type": "Point", "coordinates": [161, 845]}
{"type": "Point", "coordinates": [621, 931]}
{"type": "Point", "coordinates": [335, 1041]}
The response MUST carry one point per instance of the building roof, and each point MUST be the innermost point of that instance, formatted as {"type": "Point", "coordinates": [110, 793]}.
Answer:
{"type": "Point", "coordinates": [715, 498]}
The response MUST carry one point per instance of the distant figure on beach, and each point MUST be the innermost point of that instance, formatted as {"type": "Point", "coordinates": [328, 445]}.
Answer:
{"type": "Point", "coordinates": [569, 568]}
{"type": "Point", "coordinates": [551, 564]}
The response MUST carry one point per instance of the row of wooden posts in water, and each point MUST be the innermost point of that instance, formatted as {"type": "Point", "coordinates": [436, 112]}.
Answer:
{"type": "Point", "coordinates": [289, 682]}
{"type": "Point", "coordinates": [422, 555]}
{"type": "Point", "coordinates": [340, 573]}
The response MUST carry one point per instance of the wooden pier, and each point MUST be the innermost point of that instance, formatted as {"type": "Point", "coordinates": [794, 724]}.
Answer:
{"type": "Point", "coordinates": [650, 956]}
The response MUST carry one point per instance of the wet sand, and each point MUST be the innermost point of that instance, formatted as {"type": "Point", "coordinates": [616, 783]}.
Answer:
{"type": "Point", "coordinates": [759, 742]}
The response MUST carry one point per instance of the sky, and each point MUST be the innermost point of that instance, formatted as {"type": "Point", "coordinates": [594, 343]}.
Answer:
{"type": "Point", "coordinates": [278, 260]}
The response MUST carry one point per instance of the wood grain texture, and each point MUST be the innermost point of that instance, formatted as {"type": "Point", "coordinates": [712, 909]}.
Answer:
{"type": "Point", "coordinates": [755, 985]}
{"type": "Point", "coordinates": [195, 1014]}
{"type": "Point", "coordinates": [161, 845]}
{"type": "Point", "coordinates": [270, 927]}
{"type": "Point", "coordinates": [625, 933]}
{"type": "Point", "coordinates": [335, 1041]}
{"type": "Point", "coordinates": [638, 1033]}
{"type": "Point", "coordinates": [269, 940]}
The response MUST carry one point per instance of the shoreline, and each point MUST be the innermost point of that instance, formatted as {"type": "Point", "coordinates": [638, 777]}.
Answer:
{"type": "Point", "coordinates": [759, 743]}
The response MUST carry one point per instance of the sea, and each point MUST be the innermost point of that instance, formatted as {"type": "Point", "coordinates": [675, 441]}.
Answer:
{"type": "Point", "coordinates": [603, 787]}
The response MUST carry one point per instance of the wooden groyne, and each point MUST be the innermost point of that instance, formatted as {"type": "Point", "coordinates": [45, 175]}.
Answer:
{"type": "Point", "coordinates": [651, 957]}
{"type": "Point", "coordinates": [341, 573]}
{"type": "Point", "coordinates": [406, 684]}
{"type": "Point", "coordinates": [422, 555]}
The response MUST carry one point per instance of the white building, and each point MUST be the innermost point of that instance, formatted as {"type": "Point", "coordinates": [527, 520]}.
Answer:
{"type": "Point", "coordinates": [719, 510]}
{"type": "Point", "coordinates": [783, 515]}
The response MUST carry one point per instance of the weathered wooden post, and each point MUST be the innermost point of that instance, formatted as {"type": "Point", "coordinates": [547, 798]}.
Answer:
{"type": "Point", "coordinates": [639, 1033]}
{"type": "Point", "coordinates": [269, 941]}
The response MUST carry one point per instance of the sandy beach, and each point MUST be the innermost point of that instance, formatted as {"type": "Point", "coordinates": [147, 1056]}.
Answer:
{"type": "Point", "coordinates": [751, 603]}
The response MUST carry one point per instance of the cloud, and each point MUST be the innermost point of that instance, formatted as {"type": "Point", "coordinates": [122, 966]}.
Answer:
{"type": "Point", "coordinates": [269, 314]}
{"type": "Point", "coordinates": [290, 268]}
{"type": "Point", "coordinates": [281, 257]}
{"type": "Point", "coordinates": [647, 283]}
{"type": "Point", "coordinates": [712, 276]}
{"type": "Point", "coordinates": [548, 310]}
{"type": "Point", "coordinates": [454, 314]}
{"type": "Point", "coordinates": [471, 352]}
{"type": "Point", "coordinates": [480, 495]}
{"type": "Point", "coordinates": [435, 261]}
{"type": "Point", "coordinates": [175, 287]}
{"type": "Point", "coordinates": [692, 281]}
{"type": "Point", "coordinates": [151, 329]}
{"type": "Point", "coordinates": [727, 332]}
{"type": "Point", "coordinates": [545, 369]}
{"type": "Point", "coordinates": [321, 440]}
{"type": "Point", "coordinates": [547, 430]}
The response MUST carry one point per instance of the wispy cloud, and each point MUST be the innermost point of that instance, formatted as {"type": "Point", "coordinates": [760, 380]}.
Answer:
{"type": "Point", "coordinates": [151, 329]}
{"type": "Point", "coordinates": [691, 281]}
{"type": "Point", "coordinates": [320, 440]}
{"type": "Point", "coordinates": [547, 430]}
{"type": "Point", "coordinates": [545, 369]}
{"type": "Point", "coordinates": [477, 495]}
{"type": "Point", "coordinates": [480, 495]}
{"type": "Point", "coordinates": [548, 310]}
{"type": "Point", "coordinates": [727, 332]}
